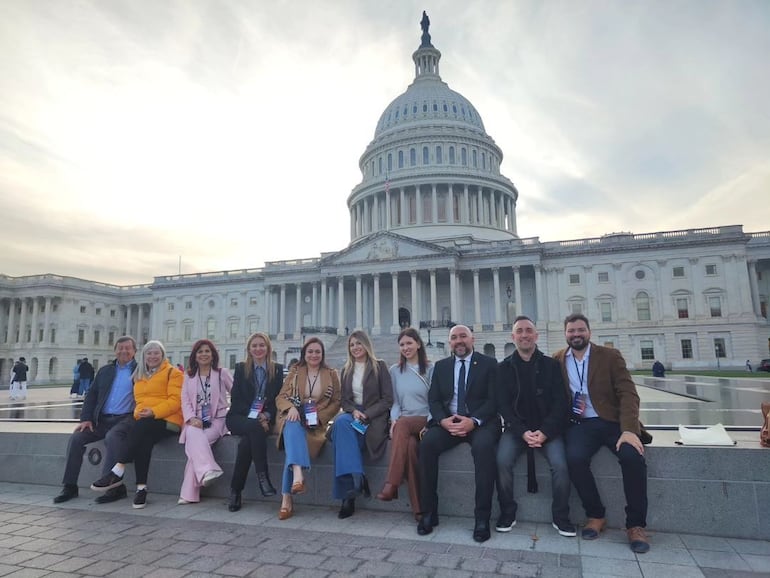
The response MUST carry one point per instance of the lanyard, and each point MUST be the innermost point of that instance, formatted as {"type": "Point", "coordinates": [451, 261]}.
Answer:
{"type": "Point", "coordinates": [310, 386]}
{"type": "Point", "coordinates": [581, 375]}
{"type": "Point", "coordinates": [205, 389]}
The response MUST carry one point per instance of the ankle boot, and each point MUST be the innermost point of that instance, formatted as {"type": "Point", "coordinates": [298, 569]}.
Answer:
{"type": "Point", "coordinates": [234, 503]}
{"type": "Point", "coordinates": [389, 492]}
{"type": "Point", "coordinates": [347, 509]}
{"type": "Point", "coordinates": [265, 486]}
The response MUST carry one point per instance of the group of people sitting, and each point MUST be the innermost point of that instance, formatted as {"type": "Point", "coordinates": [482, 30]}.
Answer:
{"type": "Point", "coordinates": [527, 402]}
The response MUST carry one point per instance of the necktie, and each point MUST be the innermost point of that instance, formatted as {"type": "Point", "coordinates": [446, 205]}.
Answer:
{"type": "Point", "coordinates": [461, 389]}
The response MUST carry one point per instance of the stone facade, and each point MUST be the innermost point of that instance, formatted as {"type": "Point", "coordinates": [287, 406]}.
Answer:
{"type": "Point", "coordinates": [433, 242]}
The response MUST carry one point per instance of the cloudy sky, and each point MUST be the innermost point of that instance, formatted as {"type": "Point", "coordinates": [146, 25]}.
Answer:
{"type": "Point", "coordinates": [228, 132]}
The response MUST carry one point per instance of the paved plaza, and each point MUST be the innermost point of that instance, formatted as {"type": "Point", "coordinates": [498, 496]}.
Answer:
{"type": "Point", "coordinates": [81, 538]}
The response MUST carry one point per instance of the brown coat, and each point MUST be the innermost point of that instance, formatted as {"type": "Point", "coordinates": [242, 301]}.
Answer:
{"type": "Point", "coordinates": [328, 405]}
{"type": "Point", "coordinates": [378, 397]}
{"type": "Point", "coordinates": [612, 390]}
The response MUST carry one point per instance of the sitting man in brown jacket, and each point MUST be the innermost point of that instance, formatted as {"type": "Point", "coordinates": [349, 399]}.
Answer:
{"type": "Point", "coordinates": [605, 412]}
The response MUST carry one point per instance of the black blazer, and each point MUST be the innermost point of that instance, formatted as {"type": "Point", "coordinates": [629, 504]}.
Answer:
{"type": "Point", "coordinates": [480, 396]}
{"type": "Point", "coordinates": [245, 390]}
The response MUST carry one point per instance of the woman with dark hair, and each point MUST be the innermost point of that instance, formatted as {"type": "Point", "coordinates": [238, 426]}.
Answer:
{"type": "Point", "coordinates": [309, 399]}
{"type": "Point", "coordinates": [367, 395]}
{"type": "Point", "coordinates": [158, 414]}
{"type": "Point", "coordinates": [411, 381]}
{"type": "Point", "coordinates": [204, 409]}
{"type": "Point", "coordinates": [252, 411]}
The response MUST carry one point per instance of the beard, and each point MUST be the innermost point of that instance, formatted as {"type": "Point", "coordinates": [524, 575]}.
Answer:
{"type": "Point", "coordinates": [578, 343]}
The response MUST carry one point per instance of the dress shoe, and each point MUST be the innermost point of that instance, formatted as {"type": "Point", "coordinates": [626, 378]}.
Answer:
{"type": "Point", "coordinates": [112, 495]}
{"type": "Point", "coordinates": [348, 508]}
{"type": "Point", "coordinates": [68, 492]}
{"type": "Point", "coordinates": [285, 513]}
{"type": "Point", "coordinates": [481, 531]}
{"type": "Point", "coordinates": [298, 487]}
{"type": "Point", "coordinates": [389, 492]}
{"type": "Point", "coordinates": [425, 526]}
{"type": "Point", "coordinates": [234, 503]}
{"type": "Point", "coordinates": [210, 477]}
{"type": "Point", "coordinates": [107, 482]}
{"type": "Point", "coordinates": [637, 539]}
{"type": "Point", "coordinates": [593, 527]}
{"type": "Point", "coordinates": [265, 486]}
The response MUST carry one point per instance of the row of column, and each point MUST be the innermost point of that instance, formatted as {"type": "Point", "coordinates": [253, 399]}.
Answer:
{"type": "Point", "coordinates": [327, 293]}
{"type": "Point", "coordinates": [22, 321]}
{"type": "Point", "coordinates": [480, 207]}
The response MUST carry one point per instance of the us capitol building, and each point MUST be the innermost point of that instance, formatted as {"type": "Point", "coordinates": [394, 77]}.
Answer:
{"type": "Point", "coordinates": [433, 241]}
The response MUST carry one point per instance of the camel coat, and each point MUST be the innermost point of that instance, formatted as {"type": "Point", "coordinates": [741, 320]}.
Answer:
{"type": "Point", "coordinates": [327, 398]}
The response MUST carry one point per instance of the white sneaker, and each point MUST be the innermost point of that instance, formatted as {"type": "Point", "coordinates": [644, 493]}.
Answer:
{"type": "Point", "coordinates": [210, 477]}
{"type": "Point", "coordinates": [182, 502]}
{"type": "Point", "coordinates": [73, 396]}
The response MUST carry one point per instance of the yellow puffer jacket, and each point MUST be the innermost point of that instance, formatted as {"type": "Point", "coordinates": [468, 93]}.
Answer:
{"type": "Point", "coordinates": [162, 393]}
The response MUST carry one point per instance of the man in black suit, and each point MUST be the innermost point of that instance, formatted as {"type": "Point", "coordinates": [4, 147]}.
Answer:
{"type": "Point", "coordinates": [463, 409]}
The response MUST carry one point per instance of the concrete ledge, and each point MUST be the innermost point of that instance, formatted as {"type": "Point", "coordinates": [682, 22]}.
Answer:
{"type": "Point", "coordinates": [699, 490]}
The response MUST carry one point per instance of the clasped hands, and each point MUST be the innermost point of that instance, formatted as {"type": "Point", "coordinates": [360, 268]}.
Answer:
{"type": "Point", "coordinates": [458, 425]}
{"type": "Point", "coordinates": [534, 439]}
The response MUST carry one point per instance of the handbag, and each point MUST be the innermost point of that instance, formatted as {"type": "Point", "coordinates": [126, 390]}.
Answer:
{"type": "Point", "coordinates": [764, 433]}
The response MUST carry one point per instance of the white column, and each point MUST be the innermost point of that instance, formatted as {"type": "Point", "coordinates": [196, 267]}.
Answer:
{"type": "Point", "coordinates": [359, 304]}
{"type": "Point", "coordinates": [402, 220]}
{"type": "Point", "coordinates": [139, 319]}
{"type": "Point", "coordinates": [35, 312]}
{"type": "Point", "coordinates": [394, 284]}
{"type": "Point", "coordinates": [413, 275]}
{"type": "Point", "coordinates": [540, 295]}
{"type": "Point", "coordinates": [282, 313]}
{"type": "Point", "coordinates": [376, 213]}
{"type": "Point", "coordinates": [517, 291]}
{"type": "Point", "coordinates": [23, 321]}
{"type": "Point", "coordinates": [466, 212]}
{"type": "Point", "coordinates": [754, 288]}
{"type": "Point", "coordinates": [418, 204]}
{"type": "Point", "coordinates": [323, 302]}
{"type": "Point", "coordinates": [496, 287]}
{"type": "Point", "coordinates": [128, 324]}
{"type": "Point", "coordinates": [298, 310]}
{"type": "Point", "coordinates": [47, 320]}
{"type": "Point", "coordinates": [314, 314]}
{"type": "Point", "coordinates": [376, 329]}
{"type": "Point", "coordinates": [341, 305]}
{"type": "Point", "coordinates": [434, 205]}
{"type": "Point", "coordinates": [433, 297]}
{"type": "Point", "coordinates": [387, 210]}
{"type": "Point", "coordinates": [476, 302]}
{"type": "Point", "coordinates": [453, 312]}
{"type": "Point", "coordinates": [12, 321]}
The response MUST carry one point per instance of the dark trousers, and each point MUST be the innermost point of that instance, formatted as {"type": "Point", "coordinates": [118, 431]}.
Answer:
{"type": "Point", "coordinates": [583, 440]}
{"type": "Point", "coordinates": [113, 430]}
{"type": "Point", "coordinates": [252, 448]}
{"type": "Point", "coordinates": [143, 436]}
{"type": "Point", "coordinates": [483, 442]}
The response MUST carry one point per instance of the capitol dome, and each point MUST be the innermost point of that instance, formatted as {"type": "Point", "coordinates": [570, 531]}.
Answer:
{"type": "Point", "coordinates": [431, 171]}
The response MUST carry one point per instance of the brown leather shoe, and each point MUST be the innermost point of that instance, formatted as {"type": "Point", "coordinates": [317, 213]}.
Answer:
{"type": "Point", "coordinates": [298, 487]}
{"type": "Point", "coordinates": [637, 539]}
{"type": "Point", "coordinates": [285, 513]}
{"type": "Point", "coordinates": [592, 528]}
{"type": "Point", "coordinates": [389, 492]}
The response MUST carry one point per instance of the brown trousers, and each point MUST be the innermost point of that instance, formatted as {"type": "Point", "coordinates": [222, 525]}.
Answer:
{"type": "Point", "coordinates": [403, 456]}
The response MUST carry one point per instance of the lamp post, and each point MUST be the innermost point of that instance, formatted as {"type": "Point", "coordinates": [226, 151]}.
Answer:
{"type": "Point", "coordinates": [716, 354]}
{"type": "Point", "coordinates": [429, 344]}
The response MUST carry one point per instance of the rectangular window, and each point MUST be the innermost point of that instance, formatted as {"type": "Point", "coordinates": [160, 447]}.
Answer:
{"type": "Point", "coordinates": [576, 308]}
{"type": "Point", "coordinates": [686, 348]}
{"type": "Point", "coordinates": [188, 305]}
{"type": "Point", "coordinates": [186, 361]}
{"type": "Point", "coordinates": [82, 308]}
{"type": "Point", "coordinates": [604, 277]}
{"type": "Point", "coordinates": [40, 336]}
{"type": "Point", "coordinates": [233, 303]}
{"type": "Point", "coordinates": [97, 336]}
{"type": "Point", "coordinates": [682, 308]}
{"type": "Point", "coordinates": [252, 326]}
{"type": "Point", "coordinates": [234, 330]}
{"type": "Point", "coordinates": [232, 361]}
{"type": "Point", "coordinates": [81, 336]}
{"type": "Point", "coordinates": [53, 335]}
{"type": "Point", "coordinates": [111, 338]}
{"type": "Point", "coordinates": [610, 344]}
{"type": "Point", "coordinates": [678, 272]}
{"type": "Point", "coordinates": [715, 306]}
{"type": "Point", "coordinates": [648, 351]}
{"type": "Point", "coordinates": [574, 279]}
{"type": "Point", "coordinates": [719, 347]}
{"type": "Point", "coordinates": [252, 300]}
{"type": "Point", "coordinates": [170, 306]}
{"type": "Point", "coordinates": [188, 332]}
{"type": "Point", "coordinates": [606, 309]}
{"type": "Point", "coordinates": [112, 313]}
{"type": "Point", "coordinates": [169, 333]}
{"type": "Point", "coordinates": [711, 269]}
{"type": "Point", "coordinates": [98, 310]}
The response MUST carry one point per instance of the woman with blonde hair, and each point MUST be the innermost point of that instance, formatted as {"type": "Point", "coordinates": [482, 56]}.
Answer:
{"type": "Point", "coordinates": [158, 414]}
{"type": "Point", "coordinates": [309, 399]}
{"type": "Point", "coordinates": [252, 412]}
{"type": "Point", "coordinates": [367, 395]}
{"type": "Point", "coordinates": [204, 408]}
{"type": "Point", "coordinates": [411, 381]}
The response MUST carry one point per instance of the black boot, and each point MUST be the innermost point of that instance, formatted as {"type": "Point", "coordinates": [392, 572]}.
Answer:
{"type": "Point", "coordinates": [347, 509]}
{"type": "Point", "coordinates": [265, 486]}
{"type": "Point", "coordinates": [234, 503]}
{"type": "Point", "coordinates": [365, 487]}
{"type": "Point", "coordinates": [68, 492]}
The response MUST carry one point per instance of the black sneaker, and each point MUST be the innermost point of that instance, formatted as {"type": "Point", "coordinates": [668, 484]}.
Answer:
{"type": "Point", "coordinates": [113, 495]}
{"type": "Point", "coordinates": [107, 482]}
{"type": "Point", "coordinates": [505, 523]}
{"type": "Point", "coordinates": [140, 499]}
{"type": "Point", "coordinates": [565, 528]}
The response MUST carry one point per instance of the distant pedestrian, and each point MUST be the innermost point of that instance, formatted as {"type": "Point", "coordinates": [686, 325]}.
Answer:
{"type": "Point", "coordinates": [18, 389]}
{"type": "Point", "coordinates": [75, 380]}
{"type": "Point", "coordinates": [86, 371]}
{"type": "Point", "coordinates": [658, 370]}
{"type": "Point", "coordinates": [748, 366]}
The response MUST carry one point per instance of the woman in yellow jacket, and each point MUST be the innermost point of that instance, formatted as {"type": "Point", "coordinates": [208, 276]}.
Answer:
{"type": "Point", "coordinates": [158, 414]}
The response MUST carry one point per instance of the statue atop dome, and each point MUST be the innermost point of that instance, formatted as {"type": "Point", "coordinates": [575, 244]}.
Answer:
{"type": "Point", "coordinates": [425, 24]}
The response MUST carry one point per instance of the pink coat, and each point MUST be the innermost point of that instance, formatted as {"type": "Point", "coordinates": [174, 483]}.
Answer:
{"type": "Point", "coordinates": [221, 385]}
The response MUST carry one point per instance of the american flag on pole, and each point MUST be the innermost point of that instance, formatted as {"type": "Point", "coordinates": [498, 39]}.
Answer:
{"type": "Point", "coordinates": [387, 183]}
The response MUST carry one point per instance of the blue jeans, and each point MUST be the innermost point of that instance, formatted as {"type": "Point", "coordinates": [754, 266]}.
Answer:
{"type": "Point", "coordinates": [348, 459]}
{"type": "Point", "coordinates": [586, 438]}
{"type": "Point", "coordinates": [85, 383]}
{"type": "Point", "coordinates": [295, 445]}
{"type": "Point", "coordinates": [508, 451]}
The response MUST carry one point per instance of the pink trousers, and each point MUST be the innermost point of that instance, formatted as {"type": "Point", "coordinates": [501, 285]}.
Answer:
{"type": "Point", "coordinates": [200, 459]}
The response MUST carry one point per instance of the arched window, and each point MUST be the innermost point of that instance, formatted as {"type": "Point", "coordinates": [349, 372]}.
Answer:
{"type": "Point", "coordinates": [390, 162]}
{"type": "Point", "coordinates": [379, 162]}
{"type": "Point", "coordinates": [412, 157]}
{"type": "Point", "coordinates": [643, 306]}
{"type": "Point", "coordinates": [211, 328]}
{"type": "Point", "coordinates": [439, 157]}
{"type": "Point", "coordinates": [425, 156]}
{"type": "Point", "coordinates": [475, 163]}
{"type": "Point", "coordinates": [463, 157]}
{"type": "Point", "coordinates": [400, 159]}
{"type": "Point", "coordinates": [451, 155]}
